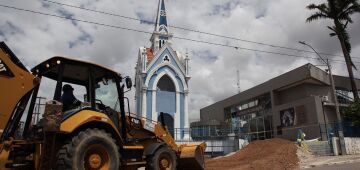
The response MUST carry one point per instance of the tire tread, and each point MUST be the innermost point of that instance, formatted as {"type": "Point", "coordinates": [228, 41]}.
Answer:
{"type": "Point", "coordinates": [65, 154]}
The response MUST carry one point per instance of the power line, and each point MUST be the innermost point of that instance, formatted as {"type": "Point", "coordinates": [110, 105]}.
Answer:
{"type": "Point", "coordinates": [74, 19]}
{"type": "Point", "coordinates": [146, 32]}
{"type": "Point", "coordinates": [191, 30]}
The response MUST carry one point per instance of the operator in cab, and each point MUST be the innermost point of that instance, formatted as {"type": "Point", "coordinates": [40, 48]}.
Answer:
{"type": "Point", "coordinates": [68, 99]}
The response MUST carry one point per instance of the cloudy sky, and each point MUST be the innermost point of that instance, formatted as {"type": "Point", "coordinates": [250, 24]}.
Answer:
{"type": "Point", "coordinates": [34, 38]}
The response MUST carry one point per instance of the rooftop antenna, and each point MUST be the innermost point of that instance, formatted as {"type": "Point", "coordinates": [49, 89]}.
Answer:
{"type": "Point", "coordinates": [238, 80]}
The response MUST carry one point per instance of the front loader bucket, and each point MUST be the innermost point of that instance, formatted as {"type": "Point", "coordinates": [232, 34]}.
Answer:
{"type": "Point", "coordinates": [192, 157]}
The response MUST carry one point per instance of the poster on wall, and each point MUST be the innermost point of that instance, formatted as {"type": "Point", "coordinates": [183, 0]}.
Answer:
{"type": "Point", "coordinates": [287, 117]}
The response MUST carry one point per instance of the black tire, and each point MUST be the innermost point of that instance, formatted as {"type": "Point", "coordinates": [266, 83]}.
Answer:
{"type": "Point", "coordinates": [86, 149]}
{"type": "Point", "coordinates": [164, 153]}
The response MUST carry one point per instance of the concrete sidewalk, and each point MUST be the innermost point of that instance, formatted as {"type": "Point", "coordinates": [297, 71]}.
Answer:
{"type": "Point", "coordinates": [345, 166]}
{"type": "Point", "coordinates": [328, 160]}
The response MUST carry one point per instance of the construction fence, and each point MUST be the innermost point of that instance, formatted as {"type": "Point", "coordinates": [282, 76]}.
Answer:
{"type": "Point", "coordinates": [227, 140]}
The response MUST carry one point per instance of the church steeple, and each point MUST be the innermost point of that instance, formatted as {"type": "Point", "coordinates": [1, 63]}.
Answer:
{"type": "Point", "coordinates": [161, 33]}
{"type": "Point", "coordinates": [158, 68]}
{"type": "Point", "coordinates": [161, 22]}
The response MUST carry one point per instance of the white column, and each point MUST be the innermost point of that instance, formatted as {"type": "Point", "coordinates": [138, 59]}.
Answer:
{"type": "Point", "coordinates": [186, 110]}
{"type": "Point", "coordinates": [177, 116]}
{"type": "Point", "coordinates": [186, 116]}
{"type": "Point", "coordinates": [143, 102]}
{"type": "Point", "coordinates": [154, 114]}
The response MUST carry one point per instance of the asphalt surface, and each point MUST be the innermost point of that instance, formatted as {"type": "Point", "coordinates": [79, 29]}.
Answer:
{"type": "Point", "coordinates": [345, 166]}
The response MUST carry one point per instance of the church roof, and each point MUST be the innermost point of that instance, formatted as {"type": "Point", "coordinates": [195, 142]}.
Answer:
{"type": "Point", "coordinates": [149, 55]}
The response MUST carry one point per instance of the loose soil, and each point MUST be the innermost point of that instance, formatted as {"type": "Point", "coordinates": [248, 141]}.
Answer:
{"type": "Point", "coordinates": [272, 154]}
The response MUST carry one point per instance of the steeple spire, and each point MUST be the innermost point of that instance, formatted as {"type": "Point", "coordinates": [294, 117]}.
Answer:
{"type": "Point", "coordinates": [161, 21]}
{"type": "Point", "coordinates": [161, 33]}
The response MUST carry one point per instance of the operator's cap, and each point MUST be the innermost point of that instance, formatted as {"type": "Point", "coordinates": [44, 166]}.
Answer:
{"type": "Point", "coordinates": [67, 87]}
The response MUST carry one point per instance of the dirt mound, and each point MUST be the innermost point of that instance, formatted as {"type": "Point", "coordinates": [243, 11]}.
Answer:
{"type": "Point", "coordinates": [263, 154]}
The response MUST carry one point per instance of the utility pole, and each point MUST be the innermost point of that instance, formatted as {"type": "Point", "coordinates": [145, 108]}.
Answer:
{"type": "Point", "coordinates": [340, 130]}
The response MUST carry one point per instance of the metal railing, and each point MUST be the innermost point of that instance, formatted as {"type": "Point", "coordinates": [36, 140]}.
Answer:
{"type": "Point", "coordinates": [343, 98]}
{"type": "Point", "coordinates": [331, 129]}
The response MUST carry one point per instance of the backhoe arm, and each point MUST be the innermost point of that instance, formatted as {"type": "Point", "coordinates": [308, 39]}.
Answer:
{"type": "Point", "coordinates": [15, 82]}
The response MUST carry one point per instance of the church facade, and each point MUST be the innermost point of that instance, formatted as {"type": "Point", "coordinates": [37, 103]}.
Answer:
{"type": "Point", "coordinates": [161, 79]}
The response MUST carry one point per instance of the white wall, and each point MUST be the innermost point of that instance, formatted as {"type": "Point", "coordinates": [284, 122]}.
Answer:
{"type": "Point", "coordinates": [352, 145]}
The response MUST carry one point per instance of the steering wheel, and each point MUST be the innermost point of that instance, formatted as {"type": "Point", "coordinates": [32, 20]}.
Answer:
{"type": "Point", "coordinates": [100, 104]}
{"type": "Point", "coordinates": [98, 100]}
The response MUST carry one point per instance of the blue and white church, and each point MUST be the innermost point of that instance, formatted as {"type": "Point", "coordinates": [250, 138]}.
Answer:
{"type": "Point", "coordinates": [161, 79]}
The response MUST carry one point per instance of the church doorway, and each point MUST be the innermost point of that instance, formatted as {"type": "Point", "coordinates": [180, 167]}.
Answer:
{"type": "Point", "coordinates": [169, 122]}
{"type": "Point", "coordinates": [166, 99]}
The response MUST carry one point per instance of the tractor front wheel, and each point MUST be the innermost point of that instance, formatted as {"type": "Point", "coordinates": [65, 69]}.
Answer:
{"type": "Point", "coordinates": [90, 149]}
{"type": "Point", "coordinates": [163, 159]}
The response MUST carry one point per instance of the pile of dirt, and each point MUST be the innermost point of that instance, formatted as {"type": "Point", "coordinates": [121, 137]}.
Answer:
{"type": "Point", "coordinates": [263, 154]}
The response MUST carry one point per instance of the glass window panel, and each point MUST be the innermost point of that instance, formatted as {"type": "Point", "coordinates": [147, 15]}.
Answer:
{"type": "Point", "coordinates": [107, 94]}
{"type": "Point", "coordinates": [261, 129]}
{"type": "Point", "coordinates": [256, 102]}
{"type": "Point", "coordinates": [251, 104]}
{"type": "Point", "coordinates": [244, 106]}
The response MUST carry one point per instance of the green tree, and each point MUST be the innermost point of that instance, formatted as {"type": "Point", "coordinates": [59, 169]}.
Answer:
{"type": "Point", "coordinates": [352, 113]}
{"type": "Point", "coordinates": [339, 11]}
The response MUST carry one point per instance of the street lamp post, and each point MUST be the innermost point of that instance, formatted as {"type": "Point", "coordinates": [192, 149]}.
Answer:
{"type": "Point", "coordinates": [340, 130]}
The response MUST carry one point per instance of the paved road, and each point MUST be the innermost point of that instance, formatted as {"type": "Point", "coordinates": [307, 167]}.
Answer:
{"type": "Point", "coordinates": [345, 166]}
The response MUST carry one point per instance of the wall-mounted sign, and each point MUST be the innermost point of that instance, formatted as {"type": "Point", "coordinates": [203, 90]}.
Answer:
{"type": "Point", "coordinates": [287, 117]}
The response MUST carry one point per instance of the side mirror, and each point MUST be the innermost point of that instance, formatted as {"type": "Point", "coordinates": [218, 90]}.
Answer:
{"type": "Point", "coordinates": [128, 82]}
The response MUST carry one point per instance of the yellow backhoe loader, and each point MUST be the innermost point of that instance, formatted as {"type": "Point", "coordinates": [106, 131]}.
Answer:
{"type": "Point", "coordinates": [98, 134]}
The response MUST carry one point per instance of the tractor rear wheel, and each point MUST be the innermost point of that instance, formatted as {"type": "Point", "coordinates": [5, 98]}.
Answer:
{"type": "Point", "coordinates": [163, 159]}
{"type": "Point", "coordinates": [90, 149]}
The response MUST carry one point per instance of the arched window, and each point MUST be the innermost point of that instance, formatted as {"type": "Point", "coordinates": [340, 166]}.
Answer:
{"type": "Point", "coordinates": [166, 84]}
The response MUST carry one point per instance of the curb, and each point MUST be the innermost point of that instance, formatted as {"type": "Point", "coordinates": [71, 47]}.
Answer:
{"type": "Point", "coordinates": [327, 164]}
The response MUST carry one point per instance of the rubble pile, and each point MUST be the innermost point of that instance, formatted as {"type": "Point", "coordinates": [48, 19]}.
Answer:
{"type": "Point", "coordinates": [260, 155]}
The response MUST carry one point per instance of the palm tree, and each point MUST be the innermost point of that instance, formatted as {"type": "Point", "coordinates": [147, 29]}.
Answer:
{"type": "Point", "coordinates": [339, 11]}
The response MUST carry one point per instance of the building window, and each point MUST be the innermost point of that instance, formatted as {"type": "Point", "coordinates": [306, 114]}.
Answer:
{"type": "Point", "coordinates": [166, 58]}
{"type": "Point", "coordinates": [252, 104]}
{"type": "Point", "coordinates": [252, 119]}
{"type": "Point", "coordinates": [244, 106]}
{"type": "Point", "coordinates": [344, 96]}
{"type": "Point", "coordinates": [166, 84]}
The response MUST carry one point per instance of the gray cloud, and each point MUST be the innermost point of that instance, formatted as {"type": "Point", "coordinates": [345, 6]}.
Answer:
{"type": "Point", "coordinates": [35, 38]}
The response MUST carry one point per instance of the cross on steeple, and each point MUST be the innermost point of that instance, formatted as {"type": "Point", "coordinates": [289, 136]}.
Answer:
{"type": "Point", "coordinates": [161, 33]}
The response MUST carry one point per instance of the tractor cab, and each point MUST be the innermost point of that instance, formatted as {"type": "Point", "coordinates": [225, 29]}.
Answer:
{"type": "Point", "coordinates": [98, 81]}
{"type": "Point", "coordinates": [104, 88]}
